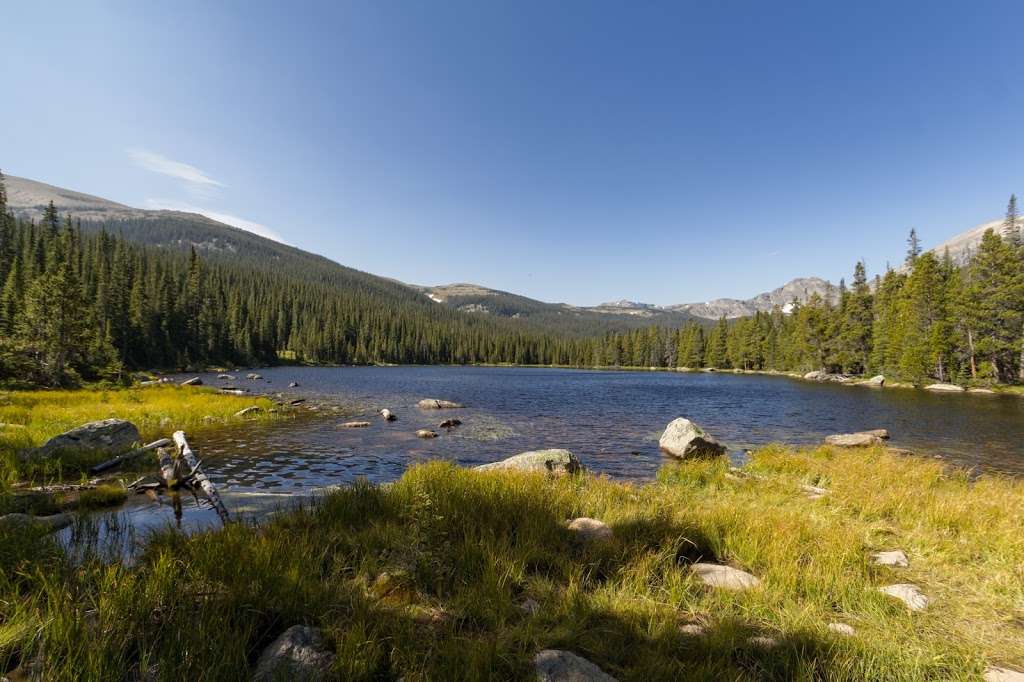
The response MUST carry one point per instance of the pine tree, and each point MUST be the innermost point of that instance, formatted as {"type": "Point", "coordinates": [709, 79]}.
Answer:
{"type": "Point", "coordinates": [913, 247]}
{"type": "Point", "coordinates": [1011, 224]}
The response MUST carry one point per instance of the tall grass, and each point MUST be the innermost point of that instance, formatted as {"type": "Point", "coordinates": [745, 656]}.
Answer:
{"type": "Point", "coordinates": [423, 579]}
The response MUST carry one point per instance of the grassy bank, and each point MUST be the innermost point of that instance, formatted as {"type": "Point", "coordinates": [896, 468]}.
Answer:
{"type": "Point", "coordinates": [423, 579]}
{"type": "Point", "coordinates": [29, 418]}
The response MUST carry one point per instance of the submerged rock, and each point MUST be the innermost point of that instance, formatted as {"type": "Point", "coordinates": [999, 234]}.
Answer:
{"type": "Point", "coordinates": [944, 388]}
{"type": "Point", "coordinates": [435, 404]}
{"type": "Point", "coordinates": [109, 436]}
{"type": "Point", "coordinates": [725, 577]}
{"type": "Point", "coordinates": [557, 462]}
{"type": "Point", "coordinates": [298, 654]}
{"type": "Point", "coordinates": [853, 440]}
{"type": "Point", "coordinates": [907, 593]}
{"type": "Point", "coordinates": [683, 438]}
{"type": "Point", "coordinates": [355, 425]}
{"type": "Point", "coordinates": [555, 665]}
{"type": "Point", "coordinates": [590, 529]}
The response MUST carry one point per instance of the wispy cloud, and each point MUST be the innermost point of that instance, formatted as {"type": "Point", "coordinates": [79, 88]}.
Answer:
{"type": "Point", "coordinates": [158, 163]}
{"type": "Point", "coordinates": [226, 218]}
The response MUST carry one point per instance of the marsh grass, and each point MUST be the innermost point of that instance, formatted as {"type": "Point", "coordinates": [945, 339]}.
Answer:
{"type": "Point", "coordinates": [460, 550]}
{"type": "Point", "coordinates": [30, 418]}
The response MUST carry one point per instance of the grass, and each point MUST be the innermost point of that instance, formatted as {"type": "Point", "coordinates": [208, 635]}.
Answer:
{"type": "Point", "coordinates": [422, 579]}
{"type": "Point", "coordinates": [29, 418]}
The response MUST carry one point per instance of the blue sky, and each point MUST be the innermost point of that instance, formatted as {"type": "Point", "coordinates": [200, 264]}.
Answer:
{"type": "Point", "coordinates": [568, 151]}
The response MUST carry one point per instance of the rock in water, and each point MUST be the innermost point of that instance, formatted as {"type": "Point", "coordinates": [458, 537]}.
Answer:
{"type": "Point", "coordinates": [293, 384]}
{"type": "Point", "coordinates": [853, 440]}
{"type": "Point", "coordinates": [298, 654]}
{"type": "Point", "coordinates": [425, 433]}
{"type": "Point", "coordinates": [355, 425]}
{"type": "Point", "coordinates": [683, 438]}
{"type": "Point", "coordinates": [435, 404]}
{"type": "Point", "coordinates": [725, 577]}
{"type": "Point", "coordinates": [557, 462]}
{"type": "Point", "coordinates": [388, 415]}
{"type": "Point", "coordinates": [944, 388]}
{"type": "Point", "coordinates": [590, 529]}
{"type": "Point", "coordinates": [449, 423]}
{"type": "Point", "coordinates": [877, 380]}
{"type": "Point", "coordinates": [109, 436]}
{"type": "Point", "coordinates": [907, 593]}
{"type": "Point", "coordinates": [194, 381]}
{"type": "Point", "coordinates": [555, 665]}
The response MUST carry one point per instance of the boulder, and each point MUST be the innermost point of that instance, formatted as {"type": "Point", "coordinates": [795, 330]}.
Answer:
{"type": "Point", "coordinates": [226, 377]}
{"type": "Point", "coordinates": [298, 654]}
{"type": "Point", "coordinates": [907, 593]}
{"type": "Point", "coordinates": [293, 384]}
{"type": "Point", "coordinates": [944, 388]}
{"type": "Point", "coordinates": [194, 381]}
{"type": "Point", "coordinates": [555, 665]}
{"type": "Point", "coordinates": [557, 462]}
{"type": "Point", "coordinates": [435, 404]}
{"type": "Point", "coordinates": [725, 577]}
{"type": "Point", "coordinates": [426, 433]}
{"type": "Point", "coordinates": [388, 415]}
{"type": "Point", "coordinates": [814, 376]}
{"type": "Point", "coordinates": [877, 380]}
{"type": "Point", "coordinates": [853, 440]}
{"type": "Point", "coordinates": [109, 437]}
{"type": "Point", "coordinates": [52, 523]}
{"type": "Point", "coordinates": [589, 529]}
{"type": "Point", "coordinates": [683, 438]}
{"type": "Point", "coordinates": [881, 433]}
{"type": "Point", "coordinates": [894, 557]}
{"type": "Point", "coordinates": [994, 674]}
{"type": "Point", "coordinates": [246, 411]}
{"type": "Point", "coordinates": [449, 423]}
{"type": "Point", "coordinates": [355, 425]}
{"type": "Point", "coordinates": [253, 376]}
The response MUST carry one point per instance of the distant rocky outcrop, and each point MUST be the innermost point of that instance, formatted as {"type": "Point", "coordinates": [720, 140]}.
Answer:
{"type": "Point", "coordinates": [683, 438]}
{"type": "Point", "coordinates": [108, 436]}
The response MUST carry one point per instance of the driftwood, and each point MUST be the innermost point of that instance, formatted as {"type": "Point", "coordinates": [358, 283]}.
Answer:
{"type": "Point", "coordinates": [121, 459]}
{"type": "Point", "coordinates": [196, 474]}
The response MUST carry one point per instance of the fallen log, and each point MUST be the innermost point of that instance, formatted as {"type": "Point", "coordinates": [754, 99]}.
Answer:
{"type": "Point", "coordinates": [121, 459]}
{"type": "Point", "coordinates": [197, 475]}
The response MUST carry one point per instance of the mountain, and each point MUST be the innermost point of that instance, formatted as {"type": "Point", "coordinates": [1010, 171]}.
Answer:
{"type": "Point", "coordinates": [962, 246]}
{"type": "Point", "coordinates": [800, 289]}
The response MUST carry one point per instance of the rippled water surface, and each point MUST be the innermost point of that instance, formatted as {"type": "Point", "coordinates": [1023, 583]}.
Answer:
{"type": "Point", "coordinates": [611, 420]}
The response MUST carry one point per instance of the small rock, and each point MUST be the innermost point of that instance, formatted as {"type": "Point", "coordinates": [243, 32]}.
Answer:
{"type": "Point", "coordinates": [226, 377]}
{"type": "Point", "coordinates": [995, 674]}
{"type": "Point", "coordinates": [877, 380]}
{"type": "Point", "coordinates": [590, 529]}
{"type": "Point", "coordinates": [894, 557]}
{"type": "Point", "coordinates": [355, 425]}
{"type": "Point", "coordinates": [396, 584]}
{"type": "Point", "coordinates": [194, 381]}
{"type": "Point", "coordinates": [982, 391]}
{"type": "Point", "coordinates": [693, 629]}
{"type": "Point", "coordinates": [388, 415]}
{"type": "Point", "coordinates": [555, 665]}
{"type": "Point", "coordinates": [529, 606]}
{"type": "Point", "coordinates": [253, 376]}
{"type": "Point", "coordinates": [683, 438]}
{"type": "Point", "coordinates": [293, 384]}
{"type": "Point", "coordinates": [841, 629]}
{"type": "Point", "coordinates": [814, 492]}
{"type": "Point", "coordinates": [449, 423]}
{"type": "Point", "coordinates": [557, 462]}
{"type": "Point", "coordinates": [853, 440]}
{"type": "Point", "coordinates": [435, 404]}
{"type": "Point", "coordinates": [944, 388]}
{"type": "Point", "coordinates": [298, 654]}
{"type": "Point", "coordinates": [907, 593]}
{"type": "Point", "coordinates": [246, 411]}
{"type": "Point", "coordinates": [725, 577]}
{"type": "Point", "coordinates": [426, 433]}
{"type": "Point", "coordinates": [763, 642]}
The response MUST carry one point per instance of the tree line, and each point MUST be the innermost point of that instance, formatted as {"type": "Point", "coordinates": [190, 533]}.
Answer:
{"type": "Point", "coordinates": [91, 305]}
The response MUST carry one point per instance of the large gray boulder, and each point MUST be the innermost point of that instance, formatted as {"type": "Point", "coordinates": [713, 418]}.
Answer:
{"type": "Point", "coordinates": [864, 439]}
{"type": "Point", "coordinates": [555, 665]}
{"type": "Point", "coordinates": [683, 438]}
{"type": "Point", "coordinates": [109, 437]}
{"type": "Point", "coordinates": [298, 654]}
{"type": "Point", "coordinates": [556, 461]}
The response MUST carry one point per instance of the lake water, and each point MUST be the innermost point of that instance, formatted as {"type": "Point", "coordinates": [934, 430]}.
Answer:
{"type": "Point", "coordinates": [610, 420]}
